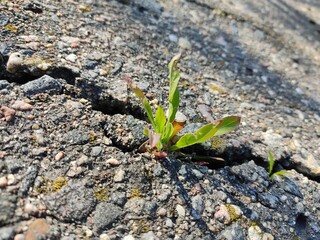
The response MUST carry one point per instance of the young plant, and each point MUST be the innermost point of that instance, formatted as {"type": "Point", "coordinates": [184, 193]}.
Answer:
{"type": "Point", "coordinates": [271, 165]}
{"type": "Point", "coordinates": [163, 137]}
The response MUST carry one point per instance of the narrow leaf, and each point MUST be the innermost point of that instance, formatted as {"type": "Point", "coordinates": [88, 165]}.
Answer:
{"type": "Point", "coordinates": [167, 133]}
{"type": "Point", "coordinates": [160, 120]}
{"type": "Point", "coordinates": [146, 131]}
{"type": "Point", "coordinates": [280, 173]}
{"type": "Point", "coordinates": [138, 92]}
{"type": "Point", "coordinates": [174, 96]}
{"type": "Point", "coordinates": [174, 106]}
{"type": "Point", "coordinates": [174, 75]}
{"type": "Point", "coordinates": [271, 162]}
{"type": "Point", "coordinates": [148, 109]}
{"type": "Point", "coordinates": [227, 125]}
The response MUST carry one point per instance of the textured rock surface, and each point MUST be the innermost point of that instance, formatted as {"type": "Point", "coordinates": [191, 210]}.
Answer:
{"type": "Point", "coordinates": [70, 128]}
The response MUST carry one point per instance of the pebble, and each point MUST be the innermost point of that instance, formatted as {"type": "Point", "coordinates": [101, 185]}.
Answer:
{"type": "Point", "coordinates": [119, 176]}
{"type": "Point", "coordinates": [149, 236]}
{"type": "Point", "coordinates": [184, 43]}
{"type": "Point", "coordinates": [15, 62]}
{"type": "Point", "coordinates": [72, 58]}
{"type": "Point", "coordinates": [102, 221]}
{"type": "Point", "coordinates": [21, 105]}
{"type": "Point", "coordinates": [129, 237]}
{"type": "Point", "coordinates": [38, 229]}
{"type": "Point", "coordinates": [222, 214]}
{"type": "Point", "coordinates": [104, 236]}
{"type": "Point", "coordinates": [181, 211]}
{"type": "Point", "coordinates": [7, 113]}
{"type": "Point", "coordinates": [3, 182]}
{"type": "Point", "coordinates": [59, 156]}
{"type": "Point", "coordinates": [169, 223]}
{"type": "Point", "coordinates": [44, 84]}
{"type": "Point", "coordinates": [113, 162]}
{"type": "Point", "coordinates": [118, 41]}
{"type": "Point", "coordinates": [162, 212]}
{"type": "Point", "coordinates": [11, 179]}
{"type": "Point", "coordinates": [96, 151]}
{"type": "Point", "coordinates": [173, 38]}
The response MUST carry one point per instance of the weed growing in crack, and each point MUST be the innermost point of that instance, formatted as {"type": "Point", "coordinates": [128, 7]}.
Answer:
{"type": "Point", "coordinates": [163, 137]}
{"type": "Point", "coordinates": [271, 165]}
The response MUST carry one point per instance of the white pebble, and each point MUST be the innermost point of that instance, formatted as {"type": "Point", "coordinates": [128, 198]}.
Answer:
{"type": "Point", "coordinates": [11, 179]}
{"type": "Point", "coordinates": [113, 162]}
{"type": "Point", "coordinates": [3, 182]}
{"type": "Point", "coordinates": [71, 57]}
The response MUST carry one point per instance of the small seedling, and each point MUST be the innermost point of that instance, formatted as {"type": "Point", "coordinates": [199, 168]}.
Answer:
{"type": "Point", "coordinates": [271, 165]}
{"type": "Point", "coordinates": [163, 137]}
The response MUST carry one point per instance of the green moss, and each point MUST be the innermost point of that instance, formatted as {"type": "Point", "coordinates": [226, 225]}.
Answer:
{"type": "Point", "coordinates": [139, 226]}
{"type": "Point", "coordinates": [48, 186]}
{"type": "Point", "coordinates": [233, 212]}
{"type": "Point", "coordinates": [101, 194]}
{"type": "Point", "coordinates": [135, 192]}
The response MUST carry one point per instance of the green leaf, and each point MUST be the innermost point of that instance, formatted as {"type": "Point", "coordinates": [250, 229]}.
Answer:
{"type": "Point", "coordinates": [174, 96]}
{"type": "Point", "coordinates": [138, 92]}
{"type": "Point", "coordinates": [168, 130]}
{"type": "Point", "coordinates": [174, 75]}
{"type": "Point", "coordinates": [227, 125]}
{"type": "Point", "coordinates": [148, 109]}
{"type": "Point", "coordinates": [160, 120]}
{"type": "Point", "coordinates": [146, 131]}
{"type": "Point", "coordinates": [280, 173]}
{"type": "Point", "coordinates": [271, 163]}
{"type": "Point", "coordinates": [203, 134]}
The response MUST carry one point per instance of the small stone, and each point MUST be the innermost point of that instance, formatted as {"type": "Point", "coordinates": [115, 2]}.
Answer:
{"type": "Point", "coordinates": [72, 57]}
{"type": "Point", "coordinates": [59, 156]}
{"type": "Point", "coordinates": [15, 62]}
{"type": "Point", "coordinates": [118, 41]}
{"type": "Point", "coordinates": [44, 84]}
{"type": "Point", "coordinates": [30, 209]}
{"type": "Point", "coordinates": [129, 237]}
{"type": "Point", "coordinates": [104, 236]}
{"type": "Point", "coordinates": [96, 151]}
{"type": "Point", "coordinates": [222, 214]}
{"type": "Point", "coordinates": [149, 236]}
{"type": "Point", "coordinates": [113, 162]}
{"type": "Point", "coordinates": [102, 220]}
{"type": "Point", "coordinates": [83, 101]}
{"type": "Point", "coordinates": [4, 84]}
{"type": "Point", "coordinates": [3, 182]}
{"type": "Point", "coordinates": [11, 179]}
{"type": "Point", "coordinates": [19, 236]}
{"type": "Point", "coordinates": [21, 105]}
{"type": "Point", "coordinates": [162, 212]}
{"type": "Point", "coordinates": [82, 160]}
{"type": "Point", "coordinates": [119, 176]}
{"type": "Point", "coordinates": [173, 38]}
{"type": "Point", "coordinates": [197, 203]}
{"type": "Point", "coordinates": [254, 233]}
{"type": "Point", "coordinates": [89, 233]}
{"type": "Point", "coordinates": [184, 43]}
{"type": "Point", "coordinates": [38, 229]}
{"type": "Point", "coordinates": [169, 223]}
{"type": "Point", "coordinates": [181, 211]}
{"type": "Point", "coordinates": [7, 113]}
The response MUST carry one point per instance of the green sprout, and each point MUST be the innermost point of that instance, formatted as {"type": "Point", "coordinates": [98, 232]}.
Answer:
{"type": "Point", "coordinates": [163, 137]}
{"type": "Point", "coordinates": [271, 165]}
